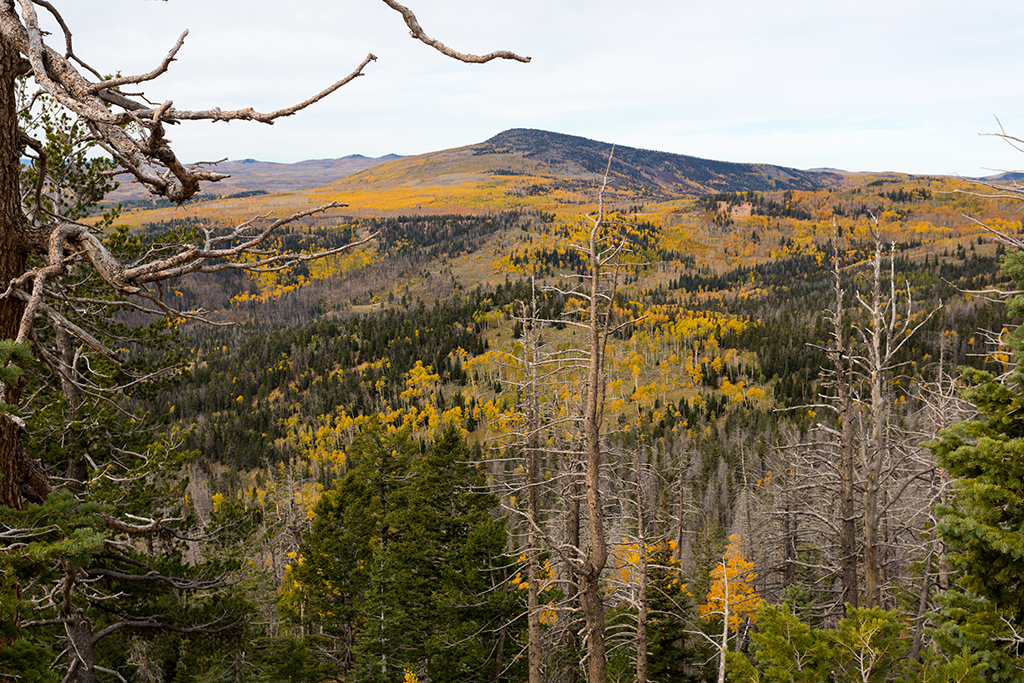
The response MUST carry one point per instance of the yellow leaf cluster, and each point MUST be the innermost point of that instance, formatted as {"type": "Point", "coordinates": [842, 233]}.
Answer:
{"type": "Point", "coordinates": [731, 591]}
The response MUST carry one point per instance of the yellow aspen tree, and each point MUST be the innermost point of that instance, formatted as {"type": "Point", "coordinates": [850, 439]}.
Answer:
{"type": "Point", "coordinates": [731, 597]}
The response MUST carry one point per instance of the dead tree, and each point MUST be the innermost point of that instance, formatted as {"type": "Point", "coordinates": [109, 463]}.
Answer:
{"type": "Point", "coordinates": [843, 405]}
{"type": "Point", "coordinates": [886, 332]}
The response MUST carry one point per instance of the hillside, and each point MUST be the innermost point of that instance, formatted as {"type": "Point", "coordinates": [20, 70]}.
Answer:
{"type": "Point", "coordinates": [250, 175]}
{"type": "Point", "coordinates": [571, 160]}
{"type": "Point", "coordinates": [518, 169]}
{"type": "Point", "coordinates": [330, 420]}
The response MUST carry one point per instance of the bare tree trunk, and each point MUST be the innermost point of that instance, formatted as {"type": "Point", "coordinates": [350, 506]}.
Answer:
{"type": "Point", "coordinates": [594, 563]}
{"type": "Point", "coordinates": [77, 468]}
{"type": "Point", "coordinates": [12, 263]}
{"type": "Point", "coordinates": [641, 615]}
{"type": "Point", "coordinates": [573, 597]}
{"type": "Point", "coordinates": [922, 608]}
{"type": "Point", "coordinates": [788, 543]}
{"type": "Point", "coordinates": [681, 512]}
{"type": "Point", "coordinates": [844, 398]}
{"type": "Point", "coordinates": [533, 511]}
{"type": "Point", "coordinates": [872, 483]}
{"type": "Point", "coordinates": [724, 647]}
{"type": "Point", "coordinates": [847, 521]}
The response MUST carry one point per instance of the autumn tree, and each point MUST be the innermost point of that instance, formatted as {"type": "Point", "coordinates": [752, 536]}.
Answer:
{"type": "Point", "coordinates": [731, 598]}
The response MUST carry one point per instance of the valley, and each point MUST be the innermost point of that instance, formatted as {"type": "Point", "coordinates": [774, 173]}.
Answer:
{"type": "Point", "coordinates": [726, 355]}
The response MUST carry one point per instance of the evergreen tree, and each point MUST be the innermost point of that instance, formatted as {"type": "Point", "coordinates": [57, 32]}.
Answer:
{"type": "Point", "coordinates": [402, 563]}
{"type": "Point", "coordinates": [673, 653]}
{"type": "Point", "coordinates": [983, 525]}
{"type": "Point", "coordinates": [346, 543]}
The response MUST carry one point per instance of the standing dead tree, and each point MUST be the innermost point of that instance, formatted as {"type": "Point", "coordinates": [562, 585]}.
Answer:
{"type": "Point", "coordinates": [885, 334]}
{"type": "Point", "coordinates": [596, 310]}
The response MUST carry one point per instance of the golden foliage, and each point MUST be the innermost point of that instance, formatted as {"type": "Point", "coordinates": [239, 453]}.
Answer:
{"type": "Point", "coordinates": [731, 591]}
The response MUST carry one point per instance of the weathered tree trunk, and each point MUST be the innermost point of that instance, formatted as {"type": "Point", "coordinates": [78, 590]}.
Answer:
{"type": "Point", "coordinates": [876, 451]}
{"type": "Point", "coordinates": [844, 399]}
{"type": "Point", "coordinates": [81, 649]}
{"type": "Point", "coordinates": [594, 563]}
{"type": "Point", "coordinates": [847, 521]}
{"type": "Point", "coordinates": [533, 512]}
{"type": "Point", "coordinates": [573, 590]}
{"type": "Point", "coordinates": [922, 609]}
{"type": "Point", "coordinates": [724, 646]}
{"type": "Point", "coordinates": [788, 543]}
{"type": "Point", "coordinates": [77, 469]}
{"type": "Point", "coordinates": [12, 262]}
{"type": "Point", "coordinates": [641, 597]}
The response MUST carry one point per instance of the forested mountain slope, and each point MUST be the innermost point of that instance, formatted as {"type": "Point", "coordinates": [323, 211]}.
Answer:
{"type": "Point", "coordinates": [518, 169]}
{"type": "Point", "coordinates": [721, 380]}
{"type": "Point", "coordinates": [740, 421]}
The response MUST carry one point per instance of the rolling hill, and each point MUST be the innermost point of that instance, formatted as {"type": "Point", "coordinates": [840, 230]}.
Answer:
{"type": "Point", "coordinates": [517, 169]}
{"type": "Point", "coordinates": [250, 175]}
{"type": "Point", "coordinates": [571, 159]}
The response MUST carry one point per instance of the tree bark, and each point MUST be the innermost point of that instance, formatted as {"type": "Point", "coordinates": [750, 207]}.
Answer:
{"type": "Point", "coordinates": [847, 521]}
{"type": "Point", "coordinates": [844, 399]}
{"type": "Point", "coordinates": [641, 598]}
{"type": "Point", "coordinates": [81, 649]}
{"type": "Point", "coordinates": [872, 484]}
{"type": "Point", "coordinates": [12, 263]}
{"type": "Point", "coordinates": [594, 563]}
{"type": "Point", "coordinates": [533, 512]}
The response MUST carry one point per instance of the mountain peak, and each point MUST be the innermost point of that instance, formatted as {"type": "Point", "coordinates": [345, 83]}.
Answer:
{"type": "Point", "coordinates": [647, 170]}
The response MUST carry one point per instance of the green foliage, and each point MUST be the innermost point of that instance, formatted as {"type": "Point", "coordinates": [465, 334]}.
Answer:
{"type": "Point", "coordinates": [868, 646]}
{"type": "Point", "coordinates": [27, 662]}
{"type": "Point", "coordinates": [400, 563]}
{"type": "Point", "coordinates": [674, 654]}
{"type": "Point", "coordinates": [68, 179]}
{"type": "Point", "coordinates": [971, 629]}
{"type": "Point", "coordinates": [11, 356]}
{"type": "Point", "coordinates": [983, 524]}
{"type": "Point", "coordinates": [787, 649]}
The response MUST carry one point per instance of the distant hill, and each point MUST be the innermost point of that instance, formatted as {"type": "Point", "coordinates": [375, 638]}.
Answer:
{"type": "Point", "coordinates": [647, 173]}
{"type": "Point", "coordinates": [514, 170]}
{"type": "Point", "coordinates": [1005, 177]}
{"type": "Point", "coordinates": [249, 175]}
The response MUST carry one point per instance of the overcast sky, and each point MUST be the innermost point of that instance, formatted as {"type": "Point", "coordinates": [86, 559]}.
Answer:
{"type": "Point", "coordinates": [873, 85]}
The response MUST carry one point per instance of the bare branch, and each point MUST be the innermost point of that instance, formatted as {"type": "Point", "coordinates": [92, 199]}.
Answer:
{"type": "Point", "coordinates": [417, 32]}
{"type": "Point", "coordinates": [124, 80]}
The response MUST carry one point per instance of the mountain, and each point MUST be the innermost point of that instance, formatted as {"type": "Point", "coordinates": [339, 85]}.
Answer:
{"type": "Point", "coordinates": [250, 175]}
{"type": "Point", "coordinates": [517, 169]}
{"type": "Point", "coordinates": [646, 173]}
{"type": "Point", "coordinates": [1005, 177]}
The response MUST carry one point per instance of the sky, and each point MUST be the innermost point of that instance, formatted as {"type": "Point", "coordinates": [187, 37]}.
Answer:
{"type": "Point", "coordinates": [876, 85]}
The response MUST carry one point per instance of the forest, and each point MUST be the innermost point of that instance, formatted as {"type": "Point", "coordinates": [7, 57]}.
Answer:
{"type": "Point", "coordinates": [470, 450]}
{"type": "Point", "coordinates": [523, 419]}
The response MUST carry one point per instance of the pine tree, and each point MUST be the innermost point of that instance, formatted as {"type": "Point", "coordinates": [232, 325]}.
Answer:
{"type": "Point", "coordinates": [401, 564]}
{"type": "Point", "coordinates": [983, 524]}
